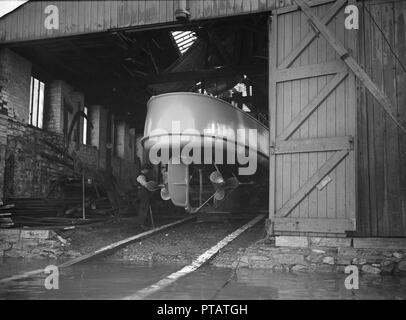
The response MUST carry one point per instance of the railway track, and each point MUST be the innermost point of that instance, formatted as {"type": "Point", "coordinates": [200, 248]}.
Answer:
{"type": "Point", "coordinates": [143, 293]}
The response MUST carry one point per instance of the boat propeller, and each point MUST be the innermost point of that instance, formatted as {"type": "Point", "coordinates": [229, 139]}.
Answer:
{"type": "Point", "coordinates": [221, 185]}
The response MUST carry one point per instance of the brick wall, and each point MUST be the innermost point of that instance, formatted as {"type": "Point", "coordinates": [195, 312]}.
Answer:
{"type": "Point", "coordinates": [61, 95]}
{"type": "Point", "coordinates": [3, 144]}
{"type": "Point", "coordinates": [25, 166]}
{"type": "Point", "coordinates": [28, 173]}
{"type": "Point", "coordinates": [15, 82]}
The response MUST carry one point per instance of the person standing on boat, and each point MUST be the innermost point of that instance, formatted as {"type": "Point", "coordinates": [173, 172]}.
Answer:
{"type": "Point", "coordinates": [146, 185]}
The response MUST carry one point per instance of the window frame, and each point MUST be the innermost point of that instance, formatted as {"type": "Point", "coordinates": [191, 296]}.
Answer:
{"type": "Point", "coordinates": [37, 102]}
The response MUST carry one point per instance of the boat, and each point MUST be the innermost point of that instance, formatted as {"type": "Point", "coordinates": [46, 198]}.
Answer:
{"type": "Point", "coordinates": [204, 143]}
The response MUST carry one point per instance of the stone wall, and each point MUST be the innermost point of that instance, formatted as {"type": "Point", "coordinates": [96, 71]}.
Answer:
{"type": "Point", "coordinates": [34, 244]}
{"type": "Point", "coordinates": [302, 254]}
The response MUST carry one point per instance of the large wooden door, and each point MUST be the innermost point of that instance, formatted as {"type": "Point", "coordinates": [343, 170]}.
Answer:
{"type": "Point", "coordinates": [313, 116]}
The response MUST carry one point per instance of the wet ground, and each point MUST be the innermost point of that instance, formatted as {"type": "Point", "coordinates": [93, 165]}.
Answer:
{"type": "Point", "coordinates": [105, 279]}
{"type": "Point", "coordinates": [183, 244]}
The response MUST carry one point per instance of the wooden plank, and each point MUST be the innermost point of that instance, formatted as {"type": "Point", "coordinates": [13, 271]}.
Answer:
{"type": "Point", "coordinates": [114, 14]}
{"type": "Point", "coordinates": [380, 243]}
{"type": "Point", "coordinates": [93, 16]}
{"type": "Point", "coordinates": [238, 6]}
{"type": "Point", "coordinates": [311, 106]}
{"type": "Point", "coordinates": [304, 128]}
{"type": "Point", "coordinates": [215, 8]}
{"type": "Point", "coordinates": [310, 71]}
{"type": "Point", "coordinates": [230, 7]}
{"type": "Point", "coordinates": [313, 122]}
{"type": "Point", "coordinates": [313, 225]}
{"type": "Point", "coordinates": [304, 43]}
{"type": "Point", "coordinates": [285, 108]}
{"type": "Point", "coordinates": [75, 17]}
{"type": "Point", "coordinates": [134, 13]}
{"type": "Point", "coordinates": [254, 5]}
{"type": "Point", "coordinates": [378, 133]}
{"type": "Point", "coordinates": [351, 162]}
{"type": "Point", "coordinates": [222, 7]}
{"type": "Point", "coordinates": [196, 264]}
{"type": "Point", "coordinates": [369, 215]}
{"type": "Point", "coordinates": [293, 7]}
{"type": "Point", "coordinates": [152, 11]}
{"type": "Point", "coordinates": [393, 197]}
{"type": "Point", "coordinates": [87, 13]}
{"type": "Point", "coordinates": [379, 95]}
{"type": "Point", "coordinates": [314, 145]}
{"type": "Point", "coordinates": [246, 6]}
{"type": "Point", "coordinates": [262, 5]}
{"type": "Point", "coordinates": [81, 16]}
{"type": "Point", "coordinates": [207, 7]}
{"type": "Point", "coordinates": [127, 13]}
{"type": "Point", "coordinates": [162, 12]}
{"type": "Point", "coordinates": [279, 116]}
{"type": "Point", "coordinates": [340, 129]}
{"type": "Point", "coordinates": [296, 108]}
{"type": "Point", "coordinates": [272, 61]}
{"type": "Point", "coordinates": [199, 11]}
{"type": "Point", "coordinates": [271, 4]}
{"type": "Point", "coordinates": [321, 118]}
{"type": "Point", "coordinates": [107, 14]}
{"type": "Point", "coordinates": [331, 115]}
{"type": "Point", "coordinates": [141, 12]}
{"type": "Point", "coordinates": [400, 41]}
{"type": "Point", "coordinates": [329, 165]}
{"type": "Point", "coordinates": [68, 16]}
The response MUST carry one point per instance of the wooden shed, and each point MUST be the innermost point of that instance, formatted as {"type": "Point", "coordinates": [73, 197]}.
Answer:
{"type": "Point", "coordinates": [337, 99]}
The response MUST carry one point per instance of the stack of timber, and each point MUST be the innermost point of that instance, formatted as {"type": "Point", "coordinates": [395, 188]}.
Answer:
{"type": "Point", "coordinates": [53, 213]}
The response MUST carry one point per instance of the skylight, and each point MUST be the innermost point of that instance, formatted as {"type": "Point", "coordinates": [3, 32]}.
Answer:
{"type": "Point", "coordinates": [184, 39]}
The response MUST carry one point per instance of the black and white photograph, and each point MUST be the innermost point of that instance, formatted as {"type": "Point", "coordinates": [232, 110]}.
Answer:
{"type": "Point", "coordinates": [203, 156]}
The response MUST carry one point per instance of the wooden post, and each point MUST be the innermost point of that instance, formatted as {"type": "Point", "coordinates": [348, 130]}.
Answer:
{"type": "Point", "coordinates": [272, 60]}
{"type": "Point", "coordinates": [83, 196]}
{"type": "Point", "coordinates": [200, 186]}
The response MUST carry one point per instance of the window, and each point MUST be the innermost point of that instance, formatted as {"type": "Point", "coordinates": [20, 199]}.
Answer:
{"type": "Point", "coordinates": [37, 89]}
{"type": "Point", "coordinates": [85, 111]}
{"type": "Point", "coordinates": [184, 39]}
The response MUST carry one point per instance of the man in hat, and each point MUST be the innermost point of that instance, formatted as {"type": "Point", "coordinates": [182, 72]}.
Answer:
{"type": "Point", "coordinates": [145, 188]}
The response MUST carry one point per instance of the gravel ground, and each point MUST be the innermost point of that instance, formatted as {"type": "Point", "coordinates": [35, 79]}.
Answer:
{"type": "Point", "coordinates": [183, 244]}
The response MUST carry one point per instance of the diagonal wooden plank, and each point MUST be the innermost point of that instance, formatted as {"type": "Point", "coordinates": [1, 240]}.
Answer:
{"type": "Point", "coordinates": [311, 106]}
{"type": "Point", "coordinates": [313, 145]}
{"type": "Point", "coordinates": [329, 165]}
{"type": "Point", "coordinates": [305, 42]}
{"type": "Point", "coordinates": [310, 71]}
{"type": "Point", "coordinates": [360, 73]}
